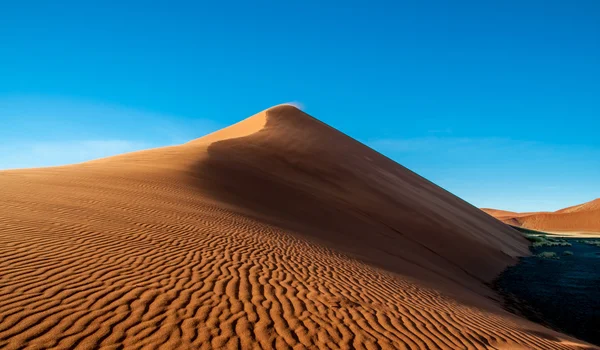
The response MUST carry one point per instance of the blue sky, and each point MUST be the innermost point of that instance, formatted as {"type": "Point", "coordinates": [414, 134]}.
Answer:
{"type": "Point", "coordinates": [496, 101]}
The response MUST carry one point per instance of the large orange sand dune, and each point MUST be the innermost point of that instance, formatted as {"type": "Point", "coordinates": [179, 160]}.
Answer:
{"type": "Point", "coordinates": [583, 218]}
{"type": "Point", "coordinates": [278, 232]}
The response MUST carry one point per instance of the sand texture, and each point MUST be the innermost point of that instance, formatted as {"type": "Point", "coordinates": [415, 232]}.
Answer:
{"type": "Point", "coordinates": [579, 219]}
{"type": "Point", "coordinates": [278, 232]}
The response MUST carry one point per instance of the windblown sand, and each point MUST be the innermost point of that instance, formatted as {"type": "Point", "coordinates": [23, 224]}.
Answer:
{"type": "Point", "coordinates": [580, 220]}
{"type": "Point", "coordinates": [278, 232]}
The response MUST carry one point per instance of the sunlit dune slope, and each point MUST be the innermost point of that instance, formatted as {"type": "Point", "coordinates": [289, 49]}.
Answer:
{"type": "Point", "coordinates": [277, 232]}
{"type": "Point", "coordinates": [580, 218]}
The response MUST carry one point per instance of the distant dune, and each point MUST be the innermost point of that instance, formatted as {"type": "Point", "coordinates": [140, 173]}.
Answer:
{"type": "Point", "coordinates": [277, 232]}
{"type": "Point", "coordinates": [580, 218]}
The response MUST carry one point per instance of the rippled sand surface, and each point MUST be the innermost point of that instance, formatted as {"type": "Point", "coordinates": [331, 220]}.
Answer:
{"type": "Point", "coordinates": [278, 232]}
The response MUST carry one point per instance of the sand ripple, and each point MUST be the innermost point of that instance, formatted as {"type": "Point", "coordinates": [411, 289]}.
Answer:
{"type": "Point", "coordinates": [118, 255]}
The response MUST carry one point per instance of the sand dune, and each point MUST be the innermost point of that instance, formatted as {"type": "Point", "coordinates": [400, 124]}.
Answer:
{"type": "Point", "coordinates": [277, 232]}
{"type": "Point", "coordinates": [583, 218]}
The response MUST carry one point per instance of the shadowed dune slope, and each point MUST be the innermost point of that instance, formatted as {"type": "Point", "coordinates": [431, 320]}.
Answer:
{"type": "Point", "coordinates": [277, 232]}
{"type": "Point", "coordinates": [579, 218]}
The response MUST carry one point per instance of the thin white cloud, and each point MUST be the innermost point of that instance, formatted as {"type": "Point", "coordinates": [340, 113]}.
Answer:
{"type": "Point", "coordinates": [449, 144]}
{"type": "Point", "coordinates": [504, 173]}
{"type": "Point", "coordinates": [43, 154]}
{"type": "Point", "coordinates": [56, 131]}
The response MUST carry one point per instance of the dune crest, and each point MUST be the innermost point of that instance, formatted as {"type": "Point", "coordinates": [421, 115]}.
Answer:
{"type": "Point", "coordinates": [582, 218]}
{"type": "Point", "coordinates": [277, 232]}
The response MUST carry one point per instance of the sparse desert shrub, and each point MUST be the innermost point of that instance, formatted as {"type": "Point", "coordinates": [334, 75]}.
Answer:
{"type": "Point", "coordinates": [535, 239]}
{"type": "Point", "coordinates": [551, 242]}
{"type": "Point", "coordinates": [595, 242]}
{"type": "Point", "coordinates": [548, 255]}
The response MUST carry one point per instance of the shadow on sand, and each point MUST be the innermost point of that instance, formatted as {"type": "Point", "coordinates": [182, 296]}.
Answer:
{"type": "Point", "coordinates": [558, 286]}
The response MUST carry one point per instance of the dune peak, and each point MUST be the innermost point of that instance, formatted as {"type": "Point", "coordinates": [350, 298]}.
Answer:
{"type": "Point", "coordinates": [255, 123]}
{"type": "Point", "coordinates": [285, 111]}
{"type": "Point", "coordinates": [294, 104]}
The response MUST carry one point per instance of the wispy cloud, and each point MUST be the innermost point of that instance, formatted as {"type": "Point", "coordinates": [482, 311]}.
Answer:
{"type": "Point", "coordinates": [449, 144]}
{"type": "Point", "coordinates": [520, 175]}
{"type": "Point", "coordinates": [42, 154]}
{"type": "Point", "coordinates": [56, 131]}
{"type": "Point", "coordinates": [87, 148]}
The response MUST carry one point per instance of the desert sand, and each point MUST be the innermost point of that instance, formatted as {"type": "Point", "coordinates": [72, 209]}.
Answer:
{"type": "Point", "coordinates": [579, 220]}
{"type": "Point", "coordinates": [277, 232]}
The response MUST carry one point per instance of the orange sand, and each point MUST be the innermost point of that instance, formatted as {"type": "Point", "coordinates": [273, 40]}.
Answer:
{"type": "Point", "coordinates": [277, 232]}
{"type": "Point", "coordinates": [583, 218]}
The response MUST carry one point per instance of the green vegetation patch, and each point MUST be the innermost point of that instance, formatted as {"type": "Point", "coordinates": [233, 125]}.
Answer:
{"type": "Point", "coordinates": [545, 241]}
{"type": "Point", "coordinates": [548, 255]}
{"type": "Point", "coordinates": [590, 242]}
{"type": "Point", "coordinates": [535, 238]}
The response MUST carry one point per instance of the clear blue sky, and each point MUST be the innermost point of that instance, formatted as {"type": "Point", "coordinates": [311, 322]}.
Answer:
{"type": "Point", "coordinates": [496, 101]}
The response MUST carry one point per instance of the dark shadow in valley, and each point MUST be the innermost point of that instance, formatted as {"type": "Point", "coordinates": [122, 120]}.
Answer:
{"type": "Point", "coordinates": [559, 286]}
